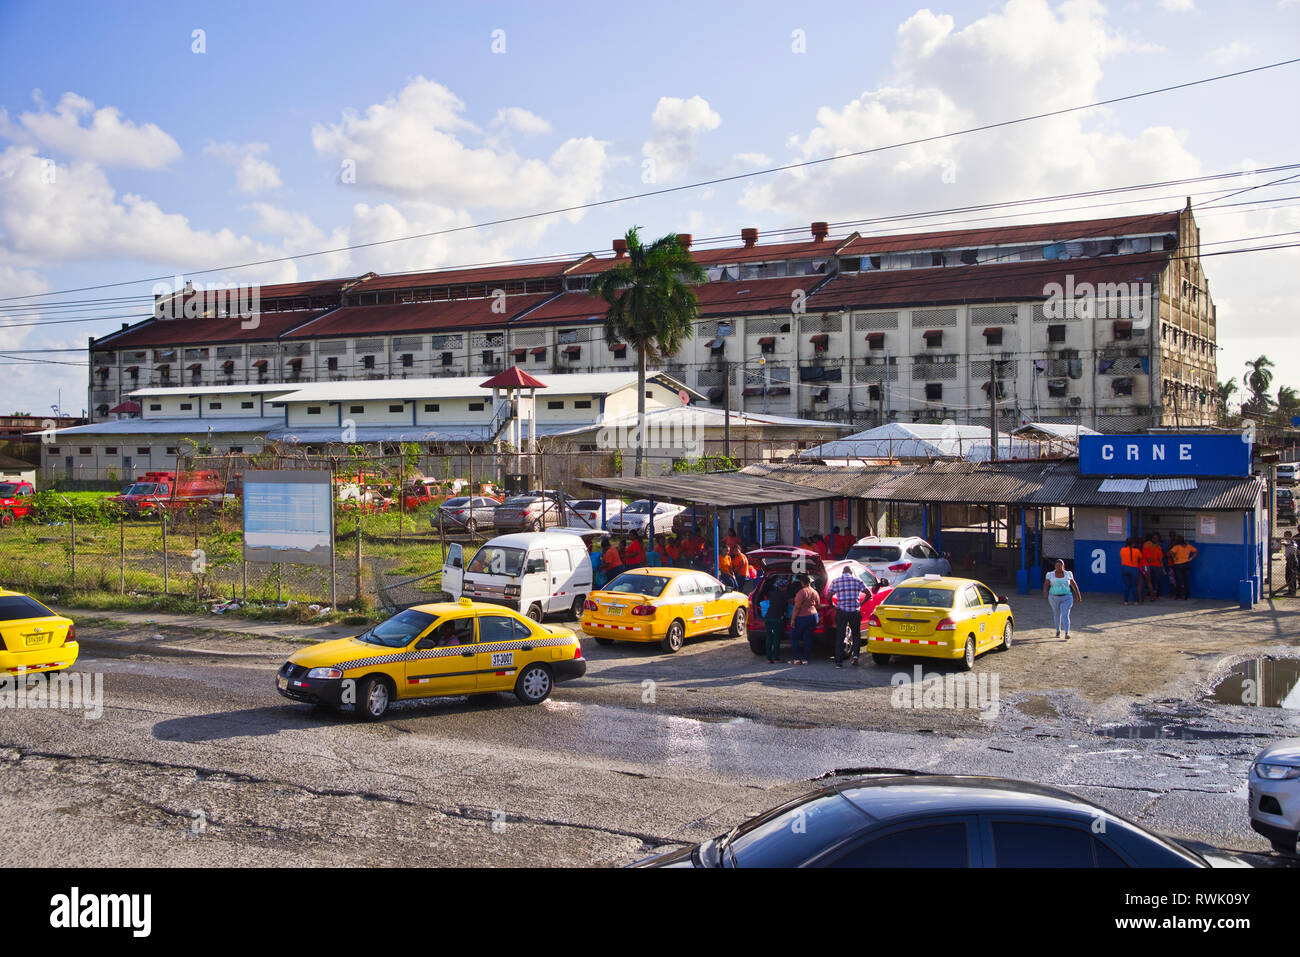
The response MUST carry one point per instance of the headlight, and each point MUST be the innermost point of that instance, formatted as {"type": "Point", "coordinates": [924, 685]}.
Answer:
{"type": "Point", "coordinates": [1276, 772]}
{"type": "Point", "coordinates": [512, 591]}
{"type": "Point", "coordinates": [325, 673]}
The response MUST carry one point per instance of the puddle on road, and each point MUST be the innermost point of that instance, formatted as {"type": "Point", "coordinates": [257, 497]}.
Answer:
{"type": "Point", "coordinates": [1171, 731]}
{"type": "Point", "coordinates": [1260, 683]}
{"type": "Point", "coordinates": [1038, 706]}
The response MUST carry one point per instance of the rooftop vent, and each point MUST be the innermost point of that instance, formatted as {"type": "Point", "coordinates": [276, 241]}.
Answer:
{"type": "Point", "coordinates": [749, 236]}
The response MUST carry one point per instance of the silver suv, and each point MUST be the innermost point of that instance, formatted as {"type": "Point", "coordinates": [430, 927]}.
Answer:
{"type": "Point", "coordinates": [894, 559]}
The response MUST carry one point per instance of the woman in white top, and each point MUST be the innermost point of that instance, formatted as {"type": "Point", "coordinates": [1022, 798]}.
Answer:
{"type": "Point", "coordinates": [1062, 591]}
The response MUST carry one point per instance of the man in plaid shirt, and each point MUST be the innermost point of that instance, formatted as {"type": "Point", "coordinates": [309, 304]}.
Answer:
{"type": "Point", "coordinates": [847, 593]}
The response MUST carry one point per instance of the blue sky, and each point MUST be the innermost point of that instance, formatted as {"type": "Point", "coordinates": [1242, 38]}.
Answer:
{"type": "Point", "coordinates": [169, 160]}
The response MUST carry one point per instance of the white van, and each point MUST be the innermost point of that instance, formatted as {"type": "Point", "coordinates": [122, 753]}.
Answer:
{"type": "Point", "coordinates": [536, 573]}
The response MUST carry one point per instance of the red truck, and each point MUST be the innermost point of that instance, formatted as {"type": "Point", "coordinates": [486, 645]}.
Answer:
{"type": "Point", "coordinates": [15, 501]}
{"type": "Point", "coordinates": [158, 490]}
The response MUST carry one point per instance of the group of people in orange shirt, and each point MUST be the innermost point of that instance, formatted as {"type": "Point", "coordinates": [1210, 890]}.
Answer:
{"type": "Point", "coordinates": [833, 544]}
{"type": "Point", "coordinates": [1147, 567]}
{"type": "Point", "coordinates": [611, 557]}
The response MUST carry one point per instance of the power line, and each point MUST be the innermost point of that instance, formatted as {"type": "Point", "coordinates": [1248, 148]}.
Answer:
{"type": "Point", "coordinates": [805, 164]}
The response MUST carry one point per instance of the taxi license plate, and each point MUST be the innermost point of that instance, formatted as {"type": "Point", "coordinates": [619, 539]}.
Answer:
{"type": "Point", "coordinates": [36, 639]}
{"type": "Point", "coordinates": [282, 682]}
{"type": "Point", "coordinates": [615, 609]}
{"type": "Point", "coordinates": [909, 629]}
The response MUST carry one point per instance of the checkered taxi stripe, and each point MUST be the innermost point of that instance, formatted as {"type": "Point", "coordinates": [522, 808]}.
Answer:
{"type": "Point", "coordinates": [454, 651]}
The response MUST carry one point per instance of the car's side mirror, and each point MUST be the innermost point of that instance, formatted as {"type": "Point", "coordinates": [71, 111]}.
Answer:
{"type": "Point", "coordinates": [426, 642]}
{"type": "Point", "coordinates": [1003, 600]}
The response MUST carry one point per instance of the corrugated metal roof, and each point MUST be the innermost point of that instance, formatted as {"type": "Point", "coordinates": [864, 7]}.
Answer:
{"type": "Point", "coordinates": [1071, 231]}
{"type": "Point", "coordinates": [177, 332]}
{"type": "Point", "coordinates": [416, 317]}
{"type": "Point", "coordinates": [716, 489]}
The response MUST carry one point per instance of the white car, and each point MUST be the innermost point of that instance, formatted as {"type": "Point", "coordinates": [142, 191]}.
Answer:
{"type": "Point", "coordinates": [586, 511]}
{"type": "Point", "coordinates": [636, 517]}
{"type": "Point", "coordinates": [895, 559]}
{"type": "Point", "coordinates": [1275, 794]}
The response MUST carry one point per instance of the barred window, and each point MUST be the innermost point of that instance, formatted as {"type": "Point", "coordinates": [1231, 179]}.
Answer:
{"type": "Point", "coordinates": [930, 318]}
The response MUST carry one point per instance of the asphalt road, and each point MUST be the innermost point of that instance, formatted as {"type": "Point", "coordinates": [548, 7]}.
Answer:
{"type": "Point", "coordinates": [197, 761]}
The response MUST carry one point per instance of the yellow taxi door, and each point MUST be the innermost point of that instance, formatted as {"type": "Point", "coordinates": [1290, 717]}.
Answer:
{"type": "Point", "coordinates": [503, 648]}
{"type": "Point", "coordinates": [716, 611]}
{"type": "Point", "coordinates": [687, 603]}
{"type": "Point", "coordinates": [997, 613]}
{"type": "Point", "coordinates": [444, 660]}
{"type": "Point", "coordinates": [978, 618]}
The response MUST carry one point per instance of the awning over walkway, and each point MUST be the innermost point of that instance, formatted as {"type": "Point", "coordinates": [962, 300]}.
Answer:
{"type": "Point", "coordinates": [715, 489]}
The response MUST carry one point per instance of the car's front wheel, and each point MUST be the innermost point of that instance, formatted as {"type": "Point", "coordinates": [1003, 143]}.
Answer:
{"type": "Point", "coordinates": [373, 698]}
{"type": "Point", "coordinates": [1006, 637]}
{"type": "Point", "coordinates": [675, 637]}
{"type": "Point", "coordinates": [535, 611]}
{"type": "Point", "coordinates": [534, 684]}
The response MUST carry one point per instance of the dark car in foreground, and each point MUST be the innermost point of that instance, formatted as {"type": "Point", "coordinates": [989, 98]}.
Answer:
{"type": "Point", "coordinates": [935, 821]}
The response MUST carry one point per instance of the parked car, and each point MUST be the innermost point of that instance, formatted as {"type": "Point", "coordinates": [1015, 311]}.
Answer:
{"type": "Point", "coordinates": [667, 605]}
{"type": "Point", "coordinates": [778, 562]}
{"type": "Point", "coordinates": [897, 558]}
{"type": "Point", "coordinates": [939, 821]}
{"type": "Point", "coordinates": [534, 511]}
{"type": "Point", "coordinates": [1286, 506]}
{"type": "Point", "coordinates": [697, 517]}
{"type": "Point", "coordinates": [1274, 788]}
{"type": "Point", "coordinates": [15, 501]}
{"type": "Point", "coordinates": [146, 496]}
{"type": "Point", "coordinates": [470, 512]}
{"type": "Point", "coordinates": [536, 573]}
{"type": "Point", "coordinates": [637, 517]}
{"type": "Point", "coordinates": [586, 512]}
{"type": "Point", "coordinates": [32, 637]}
{"type": "Point", "coordinates": [1286, 473]}
{"type": "Point", "coordinates": [936, 617]}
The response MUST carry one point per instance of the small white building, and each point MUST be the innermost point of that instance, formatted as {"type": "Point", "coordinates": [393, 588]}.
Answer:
{"type": "Point", "coordinates": [918, 440]}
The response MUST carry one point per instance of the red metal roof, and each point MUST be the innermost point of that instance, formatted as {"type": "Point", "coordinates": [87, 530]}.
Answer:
{"type": "Point", "coordinates": [1082, 229]}
{"type": "Point", "coordinates": [986, 283]}
{"type": "Point", "coordinates": [455, 277]}
{"type": "Point", "coordinates": [513, 378]}
{"type": "Point", "coordinates": [415, 317]}
{"type": "Point", "coordinates": [804, 249]}
{"type": "Point", "coordinates": [171, 332]}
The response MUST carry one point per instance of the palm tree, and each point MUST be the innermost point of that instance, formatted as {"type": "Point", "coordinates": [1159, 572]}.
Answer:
{"type": "Point", "coordinates": [652, 307]}
{"type": "Point", "coordinates": [1288, 403]}
{"type": "Point", "coordinates": [1257, 381]}
{"type": "Point", "coordinates": [1225, 390]}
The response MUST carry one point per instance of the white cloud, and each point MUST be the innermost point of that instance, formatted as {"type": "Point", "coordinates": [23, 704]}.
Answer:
{"type": "Point", "coordinates": [1178, 6]}
{"type": "Point", "coordinates": [517, 118]}
{"type": "Point", "coordinates": [252, 173]}
{"type": "Point", "coordinates": [677, 126]}
{"type": "Point", "coordinates": [418, 146]}
{"type": "Point", "coordinates": [1234, 51]}
{"type": "Point", "coordinates": [108, 140]}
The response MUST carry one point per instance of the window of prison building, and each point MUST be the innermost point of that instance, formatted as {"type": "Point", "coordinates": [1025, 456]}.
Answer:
{"type": "Point", "coordinates": [1056, 333]}
{"type": "Point", "coordinates": [141, 450]}
{"type": "Point", "coordinates": [1122, 386]}
{"type": "Point", "coordinates": [155, 407]}
{"type": "Point", "coordinates": [476, 406]}
{"type": "Point", "coordinates": [332, 363]}
{"type": "Point", "coordinates": [555, 404]}
{"type": "Point", "coordinates": [246, 405]}
{"type": "Point", "coordinates": [933, 391]}
{"type": "Point", "coordinates": [431, 407]}
{"type": "Point", "coordinates": [313, 410]}
{"type": "Point", "coordinates": [875, 340]}
{"type": "Point", "coordinates": [582, 404]}
{"type": "Point", "coordinates": [408, 360]}
{"type": "Point", "coordinates": [486, 357]}
{"type": "Point", "coordinates": [356, 410]}
{"type": "Point", "coordinates": [539, 354]}
{"type": "Point", "coordinates": [933, 338]}
{"type": "Point", "coordinates": [1058, 388]}
{"type": "Point", "coordinates": [110, 450]}
{"type": "Point", "coordinates": [1122, 330]}
{"type": "Point", "coordinates": [367, 362]}
{"type": "Point", "coordinates": [397, 407]}
{"type": "Point", "coordinates": [187, 406]}
{"type": "Point", "coordinates": [573, 353]}
{"type": "Point", "coordinates": [445, 359]}
{"type": "Point", "coordinates": [85, 450]}
{"type": "Point", "coordinates": [993, 335]}
{"type": "Point", "coordinates": [873, 393]}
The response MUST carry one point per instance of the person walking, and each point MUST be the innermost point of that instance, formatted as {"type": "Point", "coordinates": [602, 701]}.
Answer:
{"type": "Point", "coordinates": [1180, 556]}
{"type": "Point", "coordinates": [612, 560]}
{"type": "Point", "coordinates": [778, 607]}
{"type": "Point", "coordinates": [1130, 559]}
{"type": "Point", "coordinates": [1154, 553]}
{"type": "Point", "coordinates": [847, 592]}
{"type": "Point", "coordinates": [1290, 561]}
{"type": "Point", "coordinates": [1062, 592]}
{"type": "Point", "coordinates": [803, 622]}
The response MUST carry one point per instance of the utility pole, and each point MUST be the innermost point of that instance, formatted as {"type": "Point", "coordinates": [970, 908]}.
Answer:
{"type": "Point", "coordinates": [726, 405]}
{"type": "Point", "coordinates": [993, 410]}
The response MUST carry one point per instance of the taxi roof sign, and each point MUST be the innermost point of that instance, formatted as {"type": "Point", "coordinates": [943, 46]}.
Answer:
{"type": "Point", "coordinates": [464, 602]}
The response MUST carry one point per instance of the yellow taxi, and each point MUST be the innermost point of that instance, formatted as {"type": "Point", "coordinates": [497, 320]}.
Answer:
{"type": "Point", "coordinates": [431, 651]}
{"type": "Point", "coordinates": [940, 617]}
{"type": "Point", "coordinates": [34, 638]}
{"type": "Point", "coordinates": [667, 605]}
